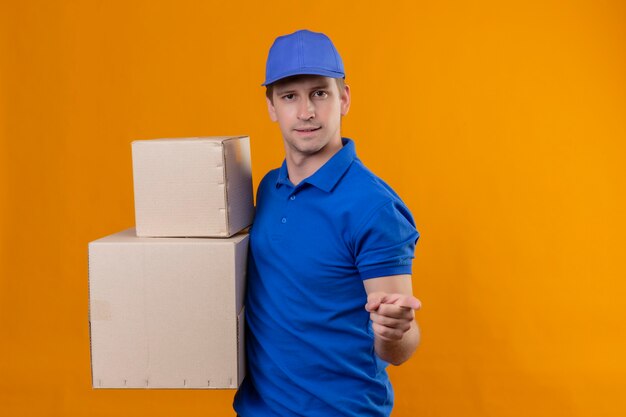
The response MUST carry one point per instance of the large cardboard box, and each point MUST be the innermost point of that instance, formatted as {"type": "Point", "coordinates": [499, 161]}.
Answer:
{"type": "Point", "coordinates": [167, 312]}
{"type": "Point", "coordinates": [198, 187]}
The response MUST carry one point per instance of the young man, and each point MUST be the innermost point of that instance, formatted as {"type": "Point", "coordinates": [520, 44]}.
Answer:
{"type": "Point", "coordinates": [329, 301]}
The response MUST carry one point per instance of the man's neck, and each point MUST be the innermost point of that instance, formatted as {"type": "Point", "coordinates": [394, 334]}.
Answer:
{"type": "Point", "coordinates": [301, 166]}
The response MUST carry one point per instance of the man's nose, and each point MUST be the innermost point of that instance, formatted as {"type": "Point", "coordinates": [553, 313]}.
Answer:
{"type": "Point", "coordinates": [306, 111]}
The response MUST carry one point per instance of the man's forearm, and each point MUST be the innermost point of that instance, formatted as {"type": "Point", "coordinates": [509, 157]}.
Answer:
{"type": "Point", "coordinates": [398, 351]}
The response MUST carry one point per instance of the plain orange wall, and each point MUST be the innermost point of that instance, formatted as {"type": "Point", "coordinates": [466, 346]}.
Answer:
{"type": "Point", "coordinates": [501, 124]}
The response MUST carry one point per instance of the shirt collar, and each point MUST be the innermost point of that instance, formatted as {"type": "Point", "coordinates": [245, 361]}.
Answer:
{"type": "Point", "coordinates": [329, 174]}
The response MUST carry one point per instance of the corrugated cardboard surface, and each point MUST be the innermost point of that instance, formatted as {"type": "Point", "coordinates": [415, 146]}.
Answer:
{"type": "Point", "coordinates": [167, 312]}
{"type": "Point", "coordinates": [198, 187]}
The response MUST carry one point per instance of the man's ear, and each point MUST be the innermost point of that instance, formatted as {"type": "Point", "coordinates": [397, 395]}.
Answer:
{"type": "Point", "coordinates": [271, 110]}
{"type": "Point", "coordinates": [345, 100]}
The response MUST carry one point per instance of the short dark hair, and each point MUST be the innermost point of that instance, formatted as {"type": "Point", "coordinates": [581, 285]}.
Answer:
{"type": "Point", "coordinates": [269, 89]}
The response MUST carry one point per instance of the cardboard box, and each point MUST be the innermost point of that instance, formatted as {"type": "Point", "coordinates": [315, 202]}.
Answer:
{"type": "Point", "coordinates": [198, 187]}
{"type": "Point", "coordinates": [167, 312]}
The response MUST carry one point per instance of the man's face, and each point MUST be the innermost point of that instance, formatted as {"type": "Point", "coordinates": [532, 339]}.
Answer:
{"type": "Point", "coordinates": [308, 110]}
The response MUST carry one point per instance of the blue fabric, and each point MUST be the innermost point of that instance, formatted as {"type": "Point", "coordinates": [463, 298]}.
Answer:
{"type": "Point", "coordinates": [309, 341]}
{"type": "Point", "coordinates": [303, 52]}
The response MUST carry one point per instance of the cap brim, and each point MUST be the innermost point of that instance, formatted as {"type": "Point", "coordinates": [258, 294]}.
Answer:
{"type": "Point", "coordinates": [304, 71]}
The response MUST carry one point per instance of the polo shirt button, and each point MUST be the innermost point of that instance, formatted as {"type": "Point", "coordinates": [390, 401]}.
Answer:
{"type": "Point", "coordinates": [293, 197]}
{"type": "Point", "coordinates": [284, 220]}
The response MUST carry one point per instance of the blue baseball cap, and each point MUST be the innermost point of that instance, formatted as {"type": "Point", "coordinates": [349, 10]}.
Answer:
{"type": "Point", "coordinates": [303, 52]}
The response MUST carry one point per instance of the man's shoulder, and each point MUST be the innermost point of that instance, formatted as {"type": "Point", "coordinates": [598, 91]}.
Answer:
{"type": "Point", "coordinates": [365, 185]}
{"type": "Point", "coordinates": [375, 206]}
{"type": "Point", "coordinates": [270, 178]}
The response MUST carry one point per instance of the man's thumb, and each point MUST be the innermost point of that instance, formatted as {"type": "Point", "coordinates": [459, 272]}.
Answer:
{"type": "Point", "coordinates": [409, 302]}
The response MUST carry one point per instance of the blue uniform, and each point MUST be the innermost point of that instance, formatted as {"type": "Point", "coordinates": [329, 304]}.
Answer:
{"type": "Point", "coordinates": [309, 341]}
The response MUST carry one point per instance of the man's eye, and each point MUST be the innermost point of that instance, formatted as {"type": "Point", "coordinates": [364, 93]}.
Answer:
{"type": "Point", "coordinates": [320, 93]}
{"type": "Point", "coordinates": [288, 96]}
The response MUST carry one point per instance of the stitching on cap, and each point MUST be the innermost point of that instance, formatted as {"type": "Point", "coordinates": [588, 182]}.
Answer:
{"type": "Point", "coordinates": [335, 56]}
{"type": "Point", "coordinates": [300, 47]}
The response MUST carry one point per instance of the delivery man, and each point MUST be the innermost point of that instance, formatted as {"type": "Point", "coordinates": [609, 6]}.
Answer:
{"type": "Point", "coordinates": [329, 300]}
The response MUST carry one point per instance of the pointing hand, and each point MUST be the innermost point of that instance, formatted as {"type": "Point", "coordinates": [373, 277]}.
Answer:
{"type": "Point", "coordinates": [391, 314]}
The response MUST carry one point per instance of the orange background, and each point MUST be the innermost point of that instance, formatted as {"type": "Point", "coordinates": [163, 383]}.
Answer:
{"type": "Point", "coordinates": [501, 124]}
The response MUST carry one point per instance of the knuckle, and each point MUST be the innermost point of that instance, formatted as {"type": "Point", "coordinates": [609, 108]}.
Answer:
{"type": "Point", "coordinates": [388, 310]}
{"type": "Point", "coordinates": [385, 321]}
{"type": "Point", "coordinates": [388, 333]}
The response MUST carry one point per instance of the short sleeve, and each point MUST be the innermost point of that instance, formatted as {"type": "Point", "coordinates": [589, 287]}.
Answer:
{"type": "Point", "coordinates": [385, 243]}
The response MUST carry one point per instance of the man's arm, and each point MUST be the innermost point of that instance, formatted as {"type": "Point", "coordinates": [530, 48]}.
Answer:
{"type": "Point", "coordinates": [391, 305]}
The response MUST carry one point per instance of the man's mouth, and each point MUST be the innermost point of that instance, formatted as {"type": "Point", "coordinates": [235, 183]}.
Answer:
{"type": "Point", "coordinates": [307, 129]}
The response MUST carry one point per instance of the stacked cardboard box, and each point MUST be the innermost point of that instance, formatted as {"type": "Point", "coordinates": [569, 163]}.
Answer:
{"type": "Point", "coordinates": [166, 297]}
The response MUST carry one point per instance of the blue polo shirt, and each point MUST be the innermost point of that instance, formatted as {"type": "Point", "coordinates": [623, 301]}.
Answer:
{"type": "Point", "coordinates": [309, 341]}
